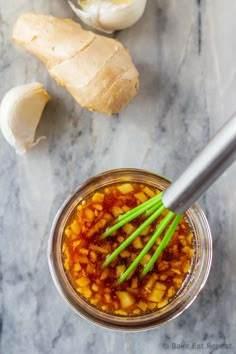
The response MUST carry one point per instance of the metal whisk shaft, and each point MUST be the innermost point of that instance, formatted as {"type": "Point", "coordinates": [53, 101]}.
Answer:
{"type": "Point", "coordinates": [201, 173]}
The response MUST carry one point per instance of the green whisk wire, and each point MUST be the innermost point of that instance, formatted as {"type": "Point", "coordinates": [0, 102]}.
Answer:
{"type": "Point", "coordinates": [164, 242]}
{"type": "Point", "coordinates": [132, 214]}
{"type": "Point", "coordinates": [147, 247]}
{"type": "Point", "coordinates": [153, 208]}
{"type": "Point", "coordinates": [148, 204]}
{"type": "Point", "coordinates": [121, 248]}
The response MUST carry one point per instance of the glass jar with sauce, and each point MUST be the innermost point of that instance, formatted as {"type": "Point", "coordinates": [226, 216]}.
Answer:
{"type": "Point", "coordinates": [123, 320]}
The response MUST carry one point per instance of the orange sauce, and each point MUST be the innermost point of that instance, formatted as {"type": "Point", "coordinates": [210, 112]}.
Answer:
{"type": "Point", "coordinates": [84, 251]}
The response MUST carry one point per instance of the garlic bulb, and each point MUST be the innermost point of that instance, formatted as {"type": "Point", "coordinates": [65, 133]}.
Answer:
{"type": "Point", "coordinates": [109, 15]}
{"type": "Point", "coordinates": [20, 113]}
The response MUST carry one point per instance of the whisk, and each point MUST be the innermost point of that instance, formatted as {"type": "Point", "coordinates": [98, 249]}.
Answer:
{"type": "Point", "coordinates": [212, 161]}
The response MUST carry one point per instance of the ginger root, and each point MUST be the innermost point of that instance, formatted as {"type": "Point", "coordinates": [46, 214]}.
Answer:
{"type": "Point", "coordinates": [96, 70]}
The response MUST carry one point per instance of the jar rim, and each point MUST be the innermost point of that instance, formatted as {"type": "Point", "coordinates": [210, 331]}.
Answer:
{"type": "Point", "coordinates": [192, 285]}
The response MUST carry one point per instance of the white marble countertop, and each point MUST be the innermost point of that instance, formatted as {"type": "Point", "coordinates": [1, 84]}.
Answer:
{"type": "Point", "coordinates": [185, 51]}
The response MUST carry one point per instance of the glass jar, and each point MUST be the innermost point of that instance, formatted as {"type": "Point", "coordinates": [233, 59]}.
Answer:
{"type": "Point", "coordinates": [193, 283]}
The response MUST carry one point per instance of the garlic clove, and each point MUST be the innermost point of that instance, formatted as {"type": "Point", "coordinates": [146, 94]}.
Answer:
{"type": "Point", "coordinates": [123, 16]}
{"type": "Point", "coordinates": [20, 113]}
{"type": "Point", "coordinates": [109, 16]}
{"type": "Point", "coordinates": [89, 17]}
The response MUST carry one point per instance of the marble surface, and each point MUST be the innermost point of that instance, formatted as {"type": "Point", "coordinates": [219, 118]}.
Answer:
{"type": "Point", "coordinates": [185, 51]}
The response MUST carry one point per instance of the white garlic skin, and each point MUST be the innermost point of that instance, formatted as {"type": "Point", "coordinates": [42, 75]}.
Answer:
{"type": "Point", "coordinates": [109, 16]}
{"type": "Point", "coordinates": [20, 112]}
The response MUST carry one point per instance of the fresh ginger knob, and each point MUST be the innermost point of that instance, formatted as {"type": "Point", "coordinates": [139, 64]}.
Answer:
{"type": "Point", "coordinates": [96, 70]}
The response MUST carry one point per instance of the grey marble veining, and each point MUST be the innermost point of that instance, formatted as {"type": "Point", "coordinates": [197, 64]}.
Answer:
{"type": "Point", "coordinates": [185, 51]}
